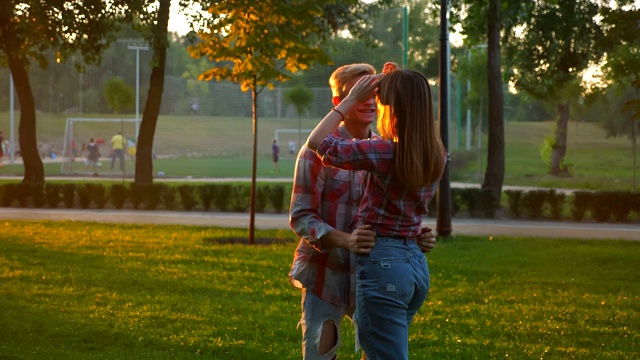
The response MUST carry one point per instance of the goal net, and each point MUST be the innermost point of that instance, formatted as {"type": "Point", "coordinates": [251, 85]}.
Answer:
{"type": "Point", "coordinates": [79, 132]}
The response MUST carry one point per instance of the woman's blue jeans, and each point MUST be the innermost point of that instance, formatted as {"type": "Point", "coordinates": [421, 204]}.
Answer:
{"type": "Point", "coordinates": [392, 283]}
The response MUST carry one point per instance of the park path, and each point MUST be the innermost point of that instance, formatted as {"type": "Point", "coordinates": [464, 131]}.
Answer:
{"type": "Point", "coordinates": [480, 227]}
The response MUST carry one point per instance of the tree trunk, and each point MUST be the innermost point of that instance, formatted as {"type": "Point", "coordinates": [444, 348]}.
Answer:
{"type": "Point", "coordinates": [634, 145]}
{"type": "Point", "coordinates": [33, 168]}
{"type": "Point", "coordinates": [560, 145]}
{"type": "Point", "coordinates": [144, 150]}
{"type": "Point", "coordinates": [494, 175]}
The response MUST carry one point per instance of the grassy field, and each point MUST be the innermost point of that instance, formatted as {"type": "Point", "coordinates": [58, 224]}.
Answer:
{"type": "Point", "coordinates": [72, 290]}
{"type": "Point", "coordinates": [222, 147]}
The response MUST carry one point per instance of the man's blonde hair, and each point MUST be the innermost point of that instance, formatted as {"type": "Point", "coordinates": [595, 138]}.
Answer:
{"type": "Point", "coordinates": [344, 74]}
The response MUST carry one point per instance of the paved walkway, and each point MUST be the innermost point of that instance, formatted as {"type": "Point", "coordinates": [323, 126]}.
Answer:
{"type": "Point", "coordinates": [482, 227]}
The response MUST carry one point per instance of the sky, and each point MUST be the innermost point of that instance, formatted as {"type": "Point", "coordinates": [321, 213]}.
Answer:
{"type": "Point", "coordinates": [178, 23]}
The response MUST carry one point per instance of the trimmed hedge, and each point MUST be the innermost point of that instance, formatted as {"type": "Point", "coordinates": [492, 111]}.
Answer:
{"type": "Point", "coordinates": [619, 206]}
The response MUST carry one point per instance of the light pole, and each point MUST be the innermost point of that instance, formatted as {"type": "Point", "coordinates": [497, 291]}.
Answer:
{"type": "Point", "coordinates": [443, 225]}
{"type": "Point", "coordinates": [137, 49]}
{"type": "Point", "coordinates": [12, 140]}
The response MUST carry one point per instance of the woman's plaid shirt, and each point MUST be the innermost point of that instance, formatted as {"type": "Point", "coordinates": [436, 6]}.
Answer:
{"type": "Point", "coordinates": [392, 208]}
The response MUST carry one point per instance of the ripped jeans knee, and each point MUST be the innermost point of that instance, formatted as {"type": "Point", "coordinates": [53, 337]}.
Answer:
{"type": "Point", "coordinates": [320, 327]}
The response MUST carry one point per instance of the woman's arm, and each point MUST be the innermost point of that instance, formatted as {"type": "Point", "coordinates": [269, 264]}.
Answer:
{"type": "Point", "coordinates": [329, 123]}
{"type": "Point", "coordinates": [363, 90]}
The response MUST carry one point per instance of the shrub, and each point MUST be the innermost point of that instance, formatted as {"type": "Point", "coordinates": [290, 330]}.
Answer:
{"type": "Point", "coordinates": [622, 202]}
{"type": "Point", "coordinates": [556, 202]}
{"type": "Point", "coordinates": [206, 193]}
{"type": "Point", "coordinates": [36, 191]}
{"type": "Point", "coordinates": [169, 197]}
{"type": "Point", "coordinates": [222, 196]}
{"type": "Point", "coordinates": [84, 195]}
{"type": "Point", "coordinates": [99, 195]}
{"type": "Point", "coordinates": [515, 197]}
{"type": "Point", "coordinates": [152, 195]}
{"type": "Point", "coordinates": [6, 194]}
{"type": "Point", "coordinates": [580, 205]}
{"type": "Point", "coordinates": [186, 197]}
{"type": "Point", "coordinates": [118, 194]}
{"type": "Point", "coordinates": [601, 204]}
{"type": "Point", "coordinates": [469, 197]}
{"type": "Point", "coordinates": [240, 198]}
{"type": "Point", "coordinates": [262, 194]}
{"type": "Point", "coordinates": [22, 192]}
{"type": "Point", "coordinates": [68, 195]}
{"type": "Point", "coordinates": [136, 195]}
{"type": "Point", "coordinates": [533, 201]}
{"type": "Point", "coordinates": [52, 192]}
{"type": "Point", "coordinates": [276, 196]}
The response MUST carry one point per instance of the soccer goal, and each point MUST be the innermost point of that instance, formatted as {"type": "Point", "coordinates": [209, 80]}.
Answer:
{"type": "Point", "coordinates": [79, 131]}
{"type": "Point", "coordinates": [291, 139]}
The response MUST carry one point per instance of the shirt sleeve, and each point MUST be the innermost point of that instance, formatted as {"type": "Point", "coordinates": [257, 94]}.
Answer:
{"type": "Point", "coordinates": [308, 186]}
{"type": "Point", "coordinates": [373, 155]}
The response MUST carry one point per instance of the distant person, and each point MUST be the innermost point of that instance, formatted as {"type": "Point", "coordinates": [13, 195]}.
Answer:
{"type": "Point", "coordinates": [93, 156]}
{"type": "Point", "coordinates": [117, 149]}
{"type": "Point", "coordinates": [292, 147]}
{"type": "Point", "coordinates": [1, 147]}
{"type": "Point", "coordinates": [275, 152]}
{"type": "Point", "coordinates": [195, 106]}
{"type": "Point", "coordinates": [131, 149]}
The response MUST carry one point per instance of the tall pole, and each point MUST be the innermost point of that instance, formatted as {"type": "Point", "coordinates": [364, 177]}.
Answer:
{"type": "Point", "coordinates": [12, 141]}
{"type": "Point", "coordinates": [137, 49]}
{"type": "Point", "coordinates": [443, 226]}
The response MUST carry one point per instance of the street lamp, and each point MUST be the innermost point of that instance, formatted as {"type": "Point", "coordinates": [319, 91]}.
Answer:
{"type": "Point", "coordinates": [137, 49]}
{"type": "Point", "coordinates": [443, 225]}
{"type": "Point", "coordinates": [12, 140]}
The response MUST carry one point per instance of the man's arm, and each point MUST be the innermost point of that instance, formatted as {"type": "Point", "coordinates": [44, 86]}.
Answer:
{"type": "Point", "coordinates": [360, 241]}
{"type": "Point", "coordinates": [306, 198]}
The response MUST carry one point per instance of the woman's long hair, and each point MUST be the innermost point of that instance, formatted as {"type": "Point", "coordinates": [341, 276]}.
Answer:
{"type": "Point", "coordinates": [405, 115]}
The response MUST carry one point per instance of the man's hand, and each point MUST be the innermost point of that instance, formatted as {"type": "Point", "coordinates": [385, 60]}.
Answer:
{"type": "Point", "coordinates": [362, 240]}
{"type": "Point", "coordinates": [426, 240]}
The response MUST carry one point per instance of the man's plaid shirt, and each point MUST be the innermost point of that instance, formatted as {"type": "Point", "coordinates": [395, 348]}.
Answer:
{"type": "Point", "coordinates": [392, 208]}
{"type": "Point", "coordinates": [324, 199]}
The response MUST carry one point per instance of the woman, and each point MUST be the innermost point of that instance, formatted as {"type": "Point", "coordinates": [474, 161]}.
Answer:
{"type": "Point", "coordinates": [404, 169]}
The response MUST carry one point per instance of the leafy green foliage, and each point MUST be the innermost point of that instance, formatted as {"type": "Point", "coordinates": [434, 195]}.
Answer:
{"type": "Point", "coordinates": [119, 95]}
{"type": "Point", "coordinates": [300, 97]}
{"type": "Point", "coordinates": [257, 43]}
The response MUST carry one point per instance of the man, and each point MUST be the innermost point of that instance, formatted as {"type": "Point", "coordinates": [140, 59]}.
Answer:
{"type": "Point", "coordinates": [117, 149]}
{"type": "Point", "coordinates": [323, 204]}
{"type": "Point", "coordinates": [275, 153]}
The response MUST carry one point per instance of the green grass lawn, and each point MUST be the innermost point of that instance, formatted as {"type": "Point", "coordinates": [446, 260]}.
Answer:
{"type": "Point", "coordinates": [72, 290]}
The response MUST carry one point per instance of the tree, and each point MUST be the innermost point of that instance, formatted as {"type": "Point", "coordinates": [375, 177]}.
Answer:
{"type": "Point", "coordinates": [301, 97]}
{"type": "Point", "coordinates": [549, 52]}
{"type": "Point", "coordinates": [486, 21]}
{"type": "Point", "coordinates": [28, 31]}
{"type": "Point", "coordinates": [119, 95]}
{"type": "Point", "coordinates": [258, 43]}
{"type": "Point", "coordinates": [622, 46]}
{"type": "Point", "coordinates": [154, 28]}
